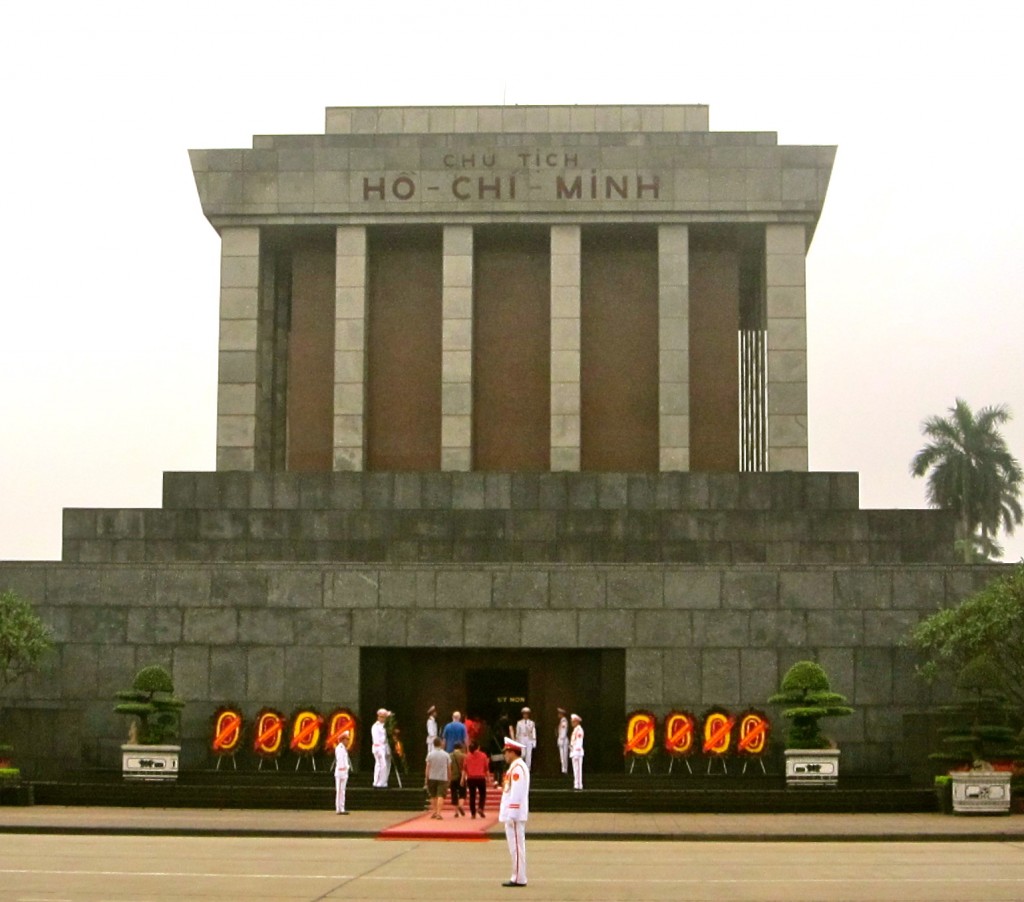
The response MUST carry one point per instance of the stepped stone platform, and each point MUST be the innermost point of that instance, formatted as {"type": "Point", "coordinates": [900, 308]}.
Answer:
{"type": "Point", "coordinates": [672, 517]}
{"type": "Point", "coordinates": [682, 589]}
{"type": "Point", "coordinates": [604, 793]}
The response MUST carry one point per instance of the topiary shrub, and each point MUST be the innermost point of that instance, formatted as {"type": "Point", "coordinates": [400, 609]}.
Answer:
{"type": "Point", "coordinates": [981, 723]}
{"type": "Point", "coordinates": [152, 702]}
{"type": "Point", "coordinates": [805, 689]}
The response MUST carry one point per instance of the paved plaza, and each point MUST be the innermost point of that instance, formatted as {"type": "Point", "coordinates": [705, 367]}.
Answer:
{"type": "Point", "coordinates": [86, 854]}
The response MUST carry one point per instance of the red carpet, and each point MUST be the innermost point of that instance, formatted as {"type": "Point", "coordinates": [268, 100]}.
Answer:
{"type": "Point", "coordinates": [466, 829]}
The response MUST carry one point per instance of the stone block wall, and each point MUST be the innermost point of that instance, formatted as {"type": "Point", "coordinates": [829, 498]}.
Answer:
{"type": "Point", "coordinates": [281, 634]}
{"type": "Point", "coordinates": [728, 518]}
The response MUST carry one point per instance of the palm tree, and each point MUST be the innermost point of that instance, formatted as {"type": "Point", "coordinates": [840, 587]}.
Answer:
{"type": "Point", "coordinates": [971, 471]}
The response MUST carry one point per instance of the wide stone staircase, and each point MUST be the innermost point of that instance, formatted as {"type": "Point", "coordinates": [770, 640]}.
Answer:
{"type": "Point", "coordinates": [681, 792]}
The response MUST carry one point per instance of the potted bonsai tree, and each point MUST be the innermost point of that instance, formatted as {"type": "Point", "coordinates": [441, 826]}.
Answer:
{"type": "Point", "coordinates": [152, 751]}
{"type": "Point", "coordinates": [811, 759]}
{"type": "Point", "coordinates": [979, 741]}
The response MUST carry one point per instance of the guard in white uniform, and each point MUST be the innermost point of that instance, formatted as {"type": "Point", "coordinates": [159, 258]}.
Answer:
{"type": "Point", "coordinates": [576, 751]}
{"type": "Point", "coordinates": [526, 736]}
{"type": "Point", "coordinates": [341, 770]}
{"type": "Point", "coordinates": [381, 750]}
{"type": "Point", "coordinates": [431, 727]}
{"type": "Point", "coordinates": [515, 809]}
{"type": "Point", "coordinates": [563, 740]}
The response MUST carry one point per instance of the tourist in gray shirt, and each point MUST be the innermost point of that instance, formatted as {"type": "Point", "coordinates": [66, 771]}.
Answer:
{"type": "Point", "coordinates": [438, 773]}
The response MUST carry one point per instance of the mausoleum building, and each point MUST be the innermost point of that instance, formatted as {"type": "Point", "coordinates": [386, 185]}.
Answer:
{"type": "Point", "coordinates": [512, 408]}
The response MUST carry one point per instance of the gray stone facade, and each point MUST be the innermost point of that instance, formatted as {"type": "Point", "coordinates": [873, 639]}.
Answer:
{"type": "Point", "coordinates": [234, 626]}
{"type": "Point", "coordinates": [278, 634]}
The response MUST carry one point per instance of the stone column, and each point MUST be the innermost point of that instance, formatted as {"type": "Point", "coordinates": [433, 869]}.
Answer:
{"type": "Point", "coordinates": [349, 347]}
{"type": "Point", "coordinates": [565, 348]}
{"type": "Point", "coordinates": [457, 349]}
{"type": "Point", "coordinates": [674, 347]}
{"type": "Point", "coordinates": [239, 313]}
{"type": "Point", "coordinates": [785, 300]}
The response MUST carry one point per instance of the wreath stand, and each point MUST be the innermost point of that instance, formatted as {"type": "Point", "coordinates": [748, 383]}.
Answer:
{"type": "Point", "coordinates": [725, 767]}
{"type": "Point", "coordinates": [632, 762]}
{"type": "Point", "coordinates": [686, 761]}
{"type": "Point", "coordinates": [220, 758]}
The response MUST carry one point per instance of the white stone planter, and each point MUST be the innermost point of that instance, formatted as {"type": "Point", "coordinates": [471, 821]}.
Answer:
{"type": "Point", "coordinates": [812, 767]}
{"type": "Point", "coordinates": [981, 792]}
{"type": "Point", "coordinates": [149, 762]}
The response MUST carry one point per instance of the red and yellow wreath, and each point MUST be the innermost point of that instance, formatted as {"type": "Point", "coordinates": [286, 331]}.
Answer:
{"type": "Point", "coordinates": [717, 732]}
{"type": "Point", "coordinates": [340, 720]}
{"type": "Point", "coordinates": [680, 734]}
{"type": "Point", "coordinates": [307, 728]}
{"type": "Point", "coordinates": [268, 734]}
{"type": "Point", "coordinates": [752, 732]}
{"type": "Point", "coordinates": [640, 733]}
{"type": "Point", "coordinates": [227, 730]}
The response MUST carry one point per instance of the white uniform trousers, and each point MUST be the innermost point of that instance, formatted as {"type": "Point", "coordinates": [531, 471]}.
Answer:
{"type": "Point", "coordinates": [563, 754]}
{"type": "Point", "coordinates": [528, 753]}
{"type": "Point", "coordinates": [340, 784]}
{"type": "Point", "coordinates": [381, 765]}
{"type": "Point", "coordinates": [515, 832]}
{"type": "Point", "coordinates": [577, 772]}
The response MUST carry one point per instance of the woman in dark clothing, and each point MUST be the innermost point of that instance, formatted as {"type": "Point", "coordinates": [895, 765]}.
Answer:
{"type": "Point", "coordinates": [498, 747]}
{"type": "Point", "coordinates": [458, 784]}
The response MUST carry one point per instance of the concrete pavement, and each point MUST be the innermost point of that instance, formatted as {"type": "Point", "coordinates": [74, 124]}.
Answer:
{"type": "Point", "coordinates": [918, 827]}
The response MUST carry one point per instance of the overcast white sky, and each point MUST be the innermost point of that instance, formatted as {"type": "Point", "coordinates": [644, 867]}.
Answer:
{"type": "Point", "coordinates": [110, 272]}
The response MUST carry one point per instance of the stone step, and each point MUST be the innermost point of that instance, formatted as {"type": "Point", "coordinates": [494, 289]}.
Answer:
{"type": "Point", "coordinates": [615, 794]}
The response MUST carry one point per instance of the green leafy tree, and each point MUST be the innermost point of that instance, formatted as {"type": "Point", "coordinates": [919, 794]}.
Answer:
{"type": "Point", "coordinates": [806, 691]}
{"type": "Point", "coordinates": [988, 624]}
{"type": "Point", "coordinates": [24, 639]}
{"type": "Point", "coordinates": [971, 471]}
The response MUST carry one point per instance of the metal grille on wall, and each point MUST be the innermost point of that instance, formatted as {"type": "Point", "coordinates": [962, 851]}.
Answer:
{"type": "Point", "coordinates": [753, 400]}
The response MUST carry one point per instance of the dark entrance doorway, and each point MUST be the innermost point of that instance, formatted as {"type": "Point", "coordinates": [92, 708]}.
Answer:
{"type": "Point", "coordinates": [484, 683]}
{"type": "Point", "coordinates": [495, 698]}
{"type": "Point", "coordinates": [491, 693]}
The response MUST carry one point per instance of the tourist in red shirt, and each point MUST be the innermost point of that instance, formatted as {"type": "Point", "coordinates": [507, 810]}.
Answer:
{"type": "Point", "coordinates": [474, 775]}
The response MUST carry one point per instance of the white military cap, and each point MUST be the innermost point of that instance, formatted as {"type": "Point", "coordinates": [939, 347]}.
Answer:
{"type": "Point", "coordinates": [576, 717]}
{"type": "Point", "coordinates": [512, 744]}
{"type": "Point", "coordinates": [383, 711]}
